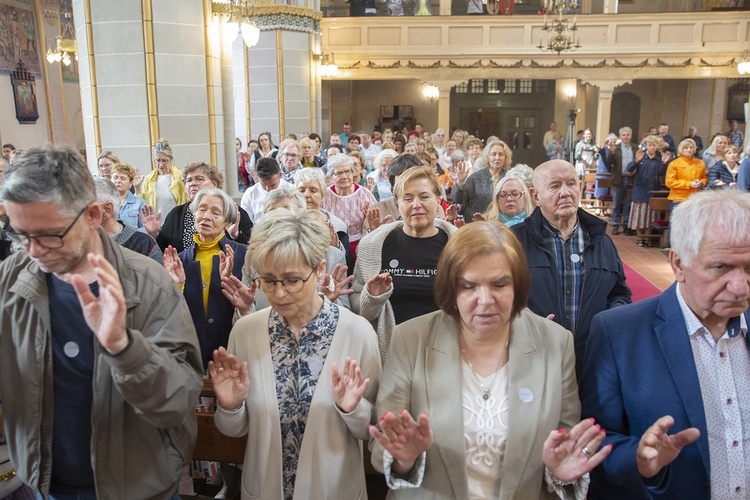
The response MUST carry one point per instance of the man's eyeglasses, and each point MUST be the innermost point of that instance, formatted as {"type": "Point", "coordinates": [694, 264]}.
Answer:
{"type": "Point", "coordinates": [291, 285]}
{"type": "Point", "coordinates": [50, 241]}
{"type": "Point", "coordinates": [291, 156]}
{"type": "Point", "coordinates": [513, 195]}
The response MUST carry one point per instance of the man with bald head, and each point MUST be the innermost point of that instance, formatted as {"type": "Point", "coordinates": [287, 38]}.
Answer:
{"type": "Point", "coordinates": [576, 271]}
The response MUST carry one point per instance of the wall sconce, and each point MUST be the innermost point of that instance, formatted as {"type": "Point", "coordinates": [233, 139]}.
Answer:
{"type": "Point", "coordinates": [570, 92]}
{"type": "Point", "coordinates": [743, 67]}
{"type": "Point", "coordinates": [328, 68]}
{"type": "Point", "coordinates": [431, 92]}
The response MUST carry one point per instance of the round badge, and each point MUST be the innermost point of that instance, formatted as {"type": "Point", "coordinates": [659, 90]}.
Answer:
{"type": "Point", "coordinates": [393, 263]}
{"type": "Point", "coordinates": [71, 349]}
{"type": "Point", "coordinates": [575, 257]}
{"type": "Point", "coordinates": [525, 395]}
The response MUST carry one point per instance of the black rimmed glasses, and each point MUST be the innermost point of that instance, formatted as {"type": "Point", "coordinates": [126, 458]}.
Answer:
{"type": "Point", "coordinates": [49, 241]}
{"type": "Point", "coordinates": [291, 285]}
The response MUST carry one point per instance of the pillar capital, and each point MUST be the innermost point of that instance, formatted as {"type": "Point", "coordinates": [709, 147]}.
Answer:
{"type": "Point", "coordinates": [606, 87]}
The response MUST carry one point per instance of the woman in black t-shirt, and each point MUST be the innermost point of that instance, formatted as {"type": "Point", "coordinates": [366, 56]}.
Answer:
{"type": "Point", "coordinates": [395, 271]}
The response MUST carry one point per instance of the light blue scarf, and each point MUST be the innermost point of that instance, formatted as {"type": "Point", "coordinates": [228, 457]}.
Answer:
{"type": "Point", "coordinates": [514, 219]}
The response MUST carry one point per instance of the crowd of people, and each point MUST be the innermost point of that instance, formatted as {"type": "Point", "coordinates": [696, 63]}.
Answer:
{"type": "Point", "coordinates": [419, 292]}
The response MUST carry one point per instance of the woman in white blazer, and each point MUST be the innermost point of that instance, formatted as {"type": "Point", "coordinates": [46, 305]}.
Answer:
{"type": "Point", "coordinates": [492, 387]}
{"type": "Point", "coordinates": [299, 378]}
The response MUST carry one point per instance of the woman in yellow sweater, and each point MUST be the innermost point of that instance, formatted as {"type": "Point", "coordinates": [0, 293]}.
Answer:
{"type": "Point", "coordinates": [686, 174]}
{"type": "Point", "coordinates": [198, 269]}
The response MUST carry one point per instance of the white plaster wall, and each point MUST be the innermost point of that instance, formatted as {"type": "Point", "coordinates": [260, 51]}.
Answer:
{"type": "Point", "coordinates": [264, 95]}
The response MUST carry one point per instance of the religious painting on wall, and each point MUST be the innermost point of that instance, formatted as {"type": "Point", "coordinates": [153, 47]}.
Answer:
{"type": "Point", "coordinates": [23, 95]}
{"type": "Point", "coordinates": [18, 37]}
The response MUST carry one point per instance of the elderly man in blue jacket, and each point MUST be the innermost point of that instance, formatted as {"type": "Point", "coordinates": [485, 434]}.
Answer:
{"type": "Point", "coordinates": [669, 377]}
{"type": "Point", "coordinates": [576, 271]}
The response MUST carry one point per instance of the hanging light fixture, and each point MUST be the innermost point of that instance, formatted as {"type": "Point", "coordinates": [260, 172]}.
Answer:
{"type": "Point", "coordinates": [564, 37]}
{"type": "Point", "coordinates": [65, 44]}
{"type": "Point", "coordinates": [241, 18]}
{"type": "Point", "coordinates": [250, 32]}
{"type": "Point", "coordinates": [743, 67]}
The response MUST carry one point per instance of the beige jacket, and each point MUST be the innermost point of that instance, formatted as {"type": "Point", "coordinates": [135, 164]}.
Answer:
{"type": "Point", "coordinates": [330, 461]}
{"type": "Point", "coordinates": [423, 372]}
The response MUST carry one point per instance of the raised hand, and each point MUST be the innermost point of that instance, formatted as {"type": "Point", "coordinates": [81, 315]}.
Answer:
{"type": "Point", "coordinates": [230, 379]}
{"type": "Point", "coordinates": [477, 217]}
{"type": "Point", "coordinates": [371, 184]}
{"type": "Point", "coordinates": [403, 438]}
{"type": "Point", "coordinates": [379, 284]}
{"type": "Point", "coordinates": [657, 449]}
{"type": "Point", "coordinates": [348, 386]}
{"type": "Point", "coordinates": [336, 284]}
{"type": "Point", "coordinates": [173, 265]}
{"type": "Point", "coordinates": [234, 229]}
{"type": "Point", "coordinates": [462, 171]}
{"type": "Point", "coordinates": [570, 454]}
{"type": "Point", "coordinates": [137, 181]}
{"type": "Point", "coordinates": [373, 218]}
{"type": "Point", "coordinates": [106, 314]}
{"type": "Point", "coordinates": [452, 213]}
{"type": "Point", "coordinates": [639, 155]}
{"type": "Point", "coordinates": [242, 297]}
{"type": "Point", "coordinates": [226, 262]}
{"type": "Point", "coordinates": [150, 219]}
{"type": "Point", "coordinates": [333, 234]}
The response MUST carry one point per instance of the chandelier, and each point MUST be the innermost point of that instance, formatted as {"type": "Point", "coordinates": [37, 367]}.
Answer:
{"type": "Point", "coordinates": [564, 37]}
{"type": "Point", "coordinates": [241, 19]}
{"type": "Point", "coordinates": [66, 44]}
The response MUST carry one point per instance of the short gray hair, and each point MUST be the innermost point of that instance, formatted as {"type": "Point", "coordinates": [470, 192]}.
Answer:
{"type": "Point", "coordinates": [50, 174]}
{"type": "Point", "coordinates": [162, 146]}
{"type": "Point", "coordinates": [457, 156]}
{"type": "Point", "coordinates": [336, 160]}
{"type": "Point", "coordinates": [230, 209]}
{"type": "Point", "coordinates": [288, 235]}
{"type": "Point", "coordinates": [281, 193]}
{"type": "Point", "coordinates": [107, 192]}
{"type": "Point", "coordinates": [625, 129]}
{"type": "Point", "coordinates": [310, 175]}
{"type": "Point", "coordinates": [724, 210]}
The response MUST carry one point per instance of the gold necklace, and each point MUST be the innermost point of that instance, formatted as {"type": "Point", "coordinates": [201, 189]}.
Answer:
{"type": "Point", "coordinates": [486, 390]}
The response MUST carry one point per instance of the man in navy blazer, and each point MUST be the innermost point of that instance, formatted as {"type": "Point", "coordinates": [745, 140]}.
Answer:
{"type": "Point", "coordinates": [668, 377]}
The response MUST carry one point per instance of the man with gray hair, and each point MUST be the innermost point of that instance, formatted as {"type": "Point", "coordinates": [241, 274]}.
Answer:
{"type": "Point", "coordinates": [618, 160]}
{"type": "Point", "coordinates": [576, 271]}
{"type": "Point", "coordinates": [125, 235]}
{"type": "Point", "coordinates": [669, 377]}
{"type": "Point", "coordinates": [100, 360]}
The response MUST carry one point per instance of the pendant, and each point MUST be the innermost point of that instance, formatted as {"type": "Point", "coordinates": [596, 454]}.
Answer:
{"type": "Point", "coordinates": [486, 396]}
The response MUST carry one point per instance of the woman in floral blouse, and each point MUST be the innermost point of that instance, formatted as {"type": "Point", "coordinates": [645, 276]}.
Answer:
{"type": "Point", "coordinates": [299, 378]}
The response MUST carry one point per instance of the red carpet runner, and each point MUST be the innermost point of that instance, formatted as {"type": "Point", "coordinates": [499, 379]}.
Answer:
{"type": "Point", "coordinates": [640, 286]}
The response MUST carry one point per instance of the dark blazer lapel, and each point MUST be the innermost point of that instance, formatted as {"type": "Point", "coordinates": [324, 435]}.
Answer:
{"type": "Point", "coordinates": [443, 382]}
{"type": "Point", "coordinates": [673, 338]}
{"type": "Point", "coordinates": [527, 371]}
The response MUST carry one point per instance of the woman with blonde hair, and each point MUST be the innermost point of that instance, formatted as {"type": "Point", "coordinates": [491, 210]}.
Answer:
{"type": "Point", "coordinates": [715, 152]}
{"type": "Point", "coordinates": [474, 191]}
{"type": "Point", "coordinates": [511, 201]}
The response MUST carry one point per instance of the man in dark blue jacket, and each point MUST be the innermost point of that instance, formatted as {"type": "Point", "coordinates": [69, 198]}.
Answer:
{"type": "Point", "coordinates": [669, 376]}
{"type": "Point", "coordinates": [576, 271]}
